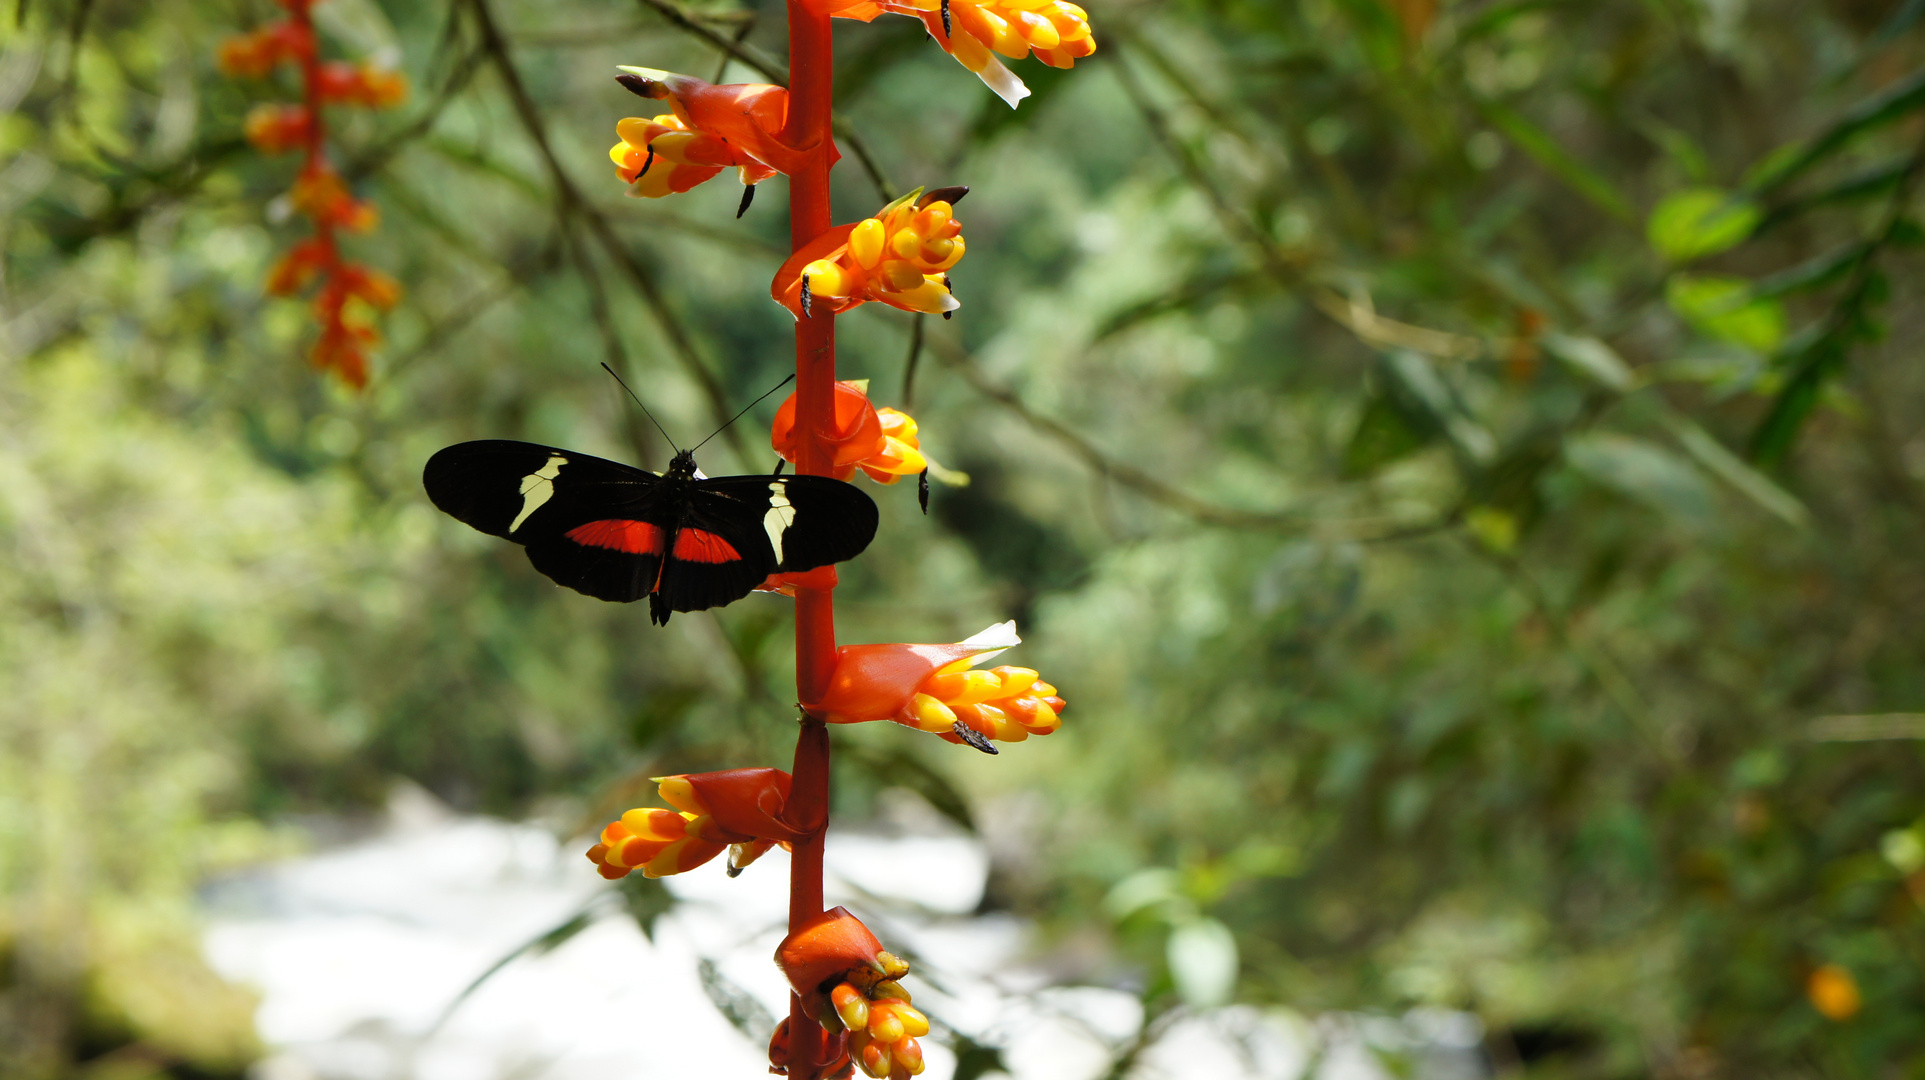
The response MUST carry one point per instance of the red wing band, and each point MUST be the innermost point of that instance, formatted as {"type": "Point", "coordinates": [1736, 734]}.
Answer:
{"type": "Point", "coordinates": [697, 545]}
{"type": "Point", "coordinates": [634, 537]}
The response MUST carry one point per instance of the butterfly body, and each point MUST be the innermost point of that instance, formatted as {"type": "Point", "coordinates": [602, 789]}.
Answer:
{"type": "Point", "coordinates": [615, 532]}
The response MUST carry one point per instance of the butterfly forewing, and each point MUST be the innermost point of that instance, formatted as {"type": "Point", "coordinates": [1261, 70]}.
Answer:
{"type": "Point", "coordinates": [618, 533]}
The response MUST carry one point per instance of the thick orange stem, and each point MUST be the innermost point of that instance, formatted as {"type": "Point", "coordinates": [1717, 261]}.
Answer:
{"type": "Point", "coordinates": [811, 98]}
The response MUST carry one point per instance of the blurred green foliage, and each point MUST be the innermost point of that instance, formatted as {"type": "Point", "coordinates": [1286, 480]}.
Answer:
{"type": "Point", "coordinates": [1461, 462]}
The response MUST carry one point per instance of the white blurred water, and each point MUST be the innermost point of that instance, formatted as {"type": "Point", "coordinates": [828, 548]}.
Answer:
{"type": "Point", "coordinates": [360, 950]}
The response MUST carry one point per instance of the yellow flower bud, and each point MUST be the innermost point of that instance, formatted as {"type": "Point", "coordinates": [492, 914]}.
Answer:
{"type": "Point", "coordinates": [826, 278]}
{"type": "Point", "coordinates": [865, 243]}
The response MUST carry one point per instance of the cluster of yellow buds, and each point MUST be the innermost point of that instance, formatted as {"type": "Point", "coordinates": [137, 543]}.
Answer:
{"type": "Point", "coordinates": [974, 31]}
{"type": "Point", "coordinates": [936, 688]}
{"type": "Point", "coordinates": [883, 1026]}
{"type": "Point", "coordinates": [1007, 704]}
{"type": "Point", "coordinates": [901, 256]}
{"type": "Point", "coordinates": [664, 156]}
{"type": "Point", "coordinates": [738, 810]}
{"type": "Point", "coordinates": [881, 442]}
{"type": "Point", "coordinates": [853, 988]}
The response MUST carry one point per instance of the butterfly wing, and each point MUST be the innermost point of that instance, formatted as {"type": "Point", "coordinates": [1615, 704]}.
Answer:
{"type": "Point", "coordinates": [805, 521]}
{"type": "Point", "coordinates": [594, 525]}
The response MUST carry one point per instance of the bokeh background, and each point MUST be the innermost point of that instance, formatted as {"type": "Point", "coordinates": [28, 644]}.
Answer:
{"type": "Point", "coordinates": [1462, 461]}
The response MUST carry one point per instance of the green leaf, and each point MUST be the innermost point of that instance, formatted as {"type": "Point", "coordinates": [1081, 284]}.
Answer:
{"type": "Point", "coordinates": [1724, 308]}
{"type": "Point", "coordinates": [1697, 222]}
{"type": "Point", "coordinates": [1382, 436]}
{"type": "Point", "coordinates": [1641, 471]}
{"type": "Point", "coordinates": [1578, 176]}
{"type": "Point", "coordinates": [1202, 955]}
{"type": "Point", "coordinates": [975, 1060]}
{"type": "Point", "coordinates": [736, 1005]}
{"type": "Point", "coordinates": [1420, 390]}
{"type": "Point", "coordinates": [1869, 183]}
{"type": "Point", "coordinates": [1796, 399]}
{"type": "Point", "coordinates": [1874, 112]}
{"type": "Point", "coordinates": [1813, 273]}
{"type": "Point", "coordinates": [1590, 359]}
{"type": "Point", "coordinates": [1746, 480]}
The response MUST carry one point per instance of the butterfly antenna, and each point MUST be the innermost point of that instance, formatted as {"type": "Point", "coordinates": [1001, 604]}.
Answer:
{"type": "Point", "coordinates": [644, 408]}
{"type": "Point", "coordinates": [745, 408]}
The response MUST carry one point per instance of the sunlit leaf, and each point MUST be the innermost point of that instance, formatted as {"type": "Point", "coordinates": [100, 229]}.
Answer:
{"type": "Point", "coordinates": [1723, 308]}
{"type": "Point", "coordinates": [1642, 471]}
{"type": "Point", "coordinates": [1202, 955]}
{"type": "Point", "coordinates": [1697, 222]}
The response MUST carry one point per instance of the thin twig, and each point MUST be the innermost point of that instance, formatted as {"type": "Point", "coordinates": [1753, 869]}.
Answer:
{"type": "Point", "coordinates": [1354, 313]}
{"type": "Point", "coordinates": [909, 365]}
{"type": "Point", "coordinates": [956, 359]}
{"type": "Point", "coordinates": [574, 204]}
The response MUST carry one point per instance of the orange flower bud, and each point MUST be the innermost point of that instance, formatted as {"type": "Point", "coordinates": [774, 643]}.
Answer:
{"type": "Point", "coordinates": [276, 129]}
{"type": "Point", "coordinates": [254, 55]}
{"type": "Point", "coordinates": [341, 83]}
{"type": "Point", "coordinates": [821, 579]}
{"type": "Point", "coordinates": [974, 31]}
{"type": "Point", "coordinates": [901, 256]}
{"type": "Point", "coordinates": [832, 948]}
{"type": "Point", "coordinates": [1834, 993]}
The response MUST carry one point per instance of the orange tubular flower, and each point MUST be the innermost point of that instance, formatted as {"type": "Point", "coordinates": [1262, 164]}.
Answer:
{"type": "Point", "coordinates": [738, 808]}
{"type": "Point", "coordinates": [935, 688]}
{"type": "Point", "coordinates": [901, 257]}
{"type": "Point", "coordinates": [370, 87]}
{"type": "Point", "coordinates": [880, 442]}
{"type": "Point", "coordinates": [712, 128]}
{"type": "Point", "coordinates": [276, 129]}
{"type": "Point", "coordinates": [850, 985]}
{"type": "Point", "coordinates": [973, 31]}
{"type": "Point", "coordinates": [254, 55]}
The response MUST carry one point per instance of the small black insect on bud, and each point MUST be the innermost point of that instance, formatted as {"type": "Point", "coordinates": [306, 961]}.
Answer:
{"type": "Point", "coordinates": [950, 314]}
{"type": "Point", "coordinates": [922, 490]}
{"type": "Point", "coordinates": [947, 31]}
{"type": "Point", "coordinates": [748, 196]}
{"type": "Point", "coordinates": [974, 739]}
{"type": "Point", "coordinates": [646, 162]}
{"type": "Point", "coordinates": [807, 311]}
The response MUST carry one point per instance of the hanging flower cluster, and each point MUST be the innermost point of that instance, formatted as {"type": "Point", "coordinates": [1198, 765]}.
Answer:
{"type": "Point", "coordinates": [850, 1010]}
{"type": "Point", "coordinates": [974, 31]}
{"type": "Point", "coordinates": [348, 293]}
{"type": "Point", "coordinates": [849, 984]}
{"type": "Point", "coordinates": [901, 256]}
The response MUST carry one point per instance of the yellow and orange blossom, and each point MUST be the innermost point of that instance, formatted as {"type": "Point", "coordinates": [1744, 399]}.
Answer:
{"type": "Point", "coordinates": [973, 31]}
{"type": "Point", "coordinates": [880, 442]}
{"type": "Point", "coordinates": [937, 688]}
{"type": "Point", "coordinates": [736, 808]}
{"type": "Point", "coordinates": [851, 986]}
{"type": "Point", "coordinates": [901, 256]}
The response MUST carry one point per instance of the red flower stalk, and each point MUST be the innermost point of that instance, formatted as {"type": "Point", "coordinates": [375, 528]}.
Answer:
{"type": "Point", "coordinates": [348, 292]}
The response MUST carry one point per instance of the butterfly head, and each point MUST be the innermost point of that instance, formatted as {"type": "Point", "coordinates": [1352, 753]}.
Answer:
{"type": "Point", "coordinates": [683, 466]}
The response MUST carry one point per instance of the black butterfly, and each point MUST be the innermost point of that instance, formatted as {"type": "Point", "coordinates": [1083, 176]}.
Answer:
{"type": "Point", "coordinates": [612, 531]}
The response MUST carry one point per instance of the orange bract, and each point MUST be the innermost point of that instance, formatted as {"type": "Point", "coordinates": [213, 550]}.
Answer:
{"type": "Point", "coordinates": [738, 808]}
{"type": "Point", "coordinates": [974, 31]}
{"type": "Point", "coordinates": [880, 442]}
